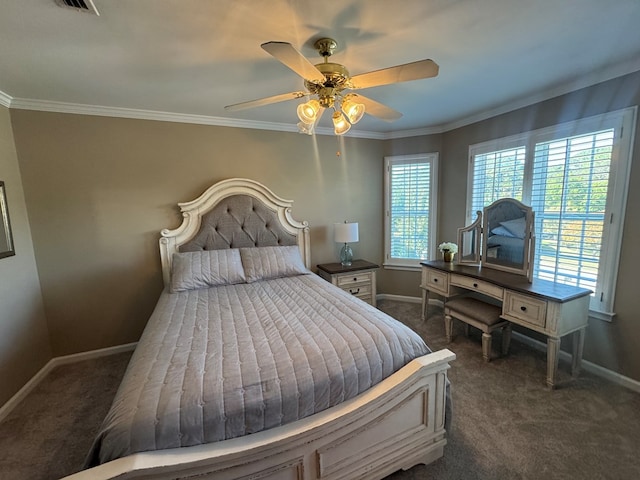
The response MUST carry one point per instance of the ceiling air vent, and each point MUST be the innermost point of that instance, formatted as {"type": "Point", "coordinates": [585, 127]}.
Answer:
{"type": "Point", "coordinates": [79, 5]}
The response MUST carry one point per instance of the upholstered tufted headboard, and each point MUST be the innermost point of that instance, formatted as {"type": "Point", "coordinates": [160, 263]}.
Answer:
{"type": "Point", "coordinates": [234, 213]}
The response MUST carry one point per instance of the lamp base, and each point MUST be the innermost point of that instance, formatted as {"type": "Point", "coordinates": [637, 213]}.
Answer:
{"type": "Point", "coordinates": [346, 255]}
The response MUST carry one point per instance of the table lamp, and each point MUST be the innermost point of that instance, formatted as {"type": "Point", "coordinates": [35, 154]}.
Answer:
{"type": "Point", "coordinates": [346, 233]}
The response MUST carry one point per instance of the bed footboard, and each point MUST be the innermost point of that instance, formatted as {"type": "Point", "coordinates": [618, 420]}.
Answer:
{"type": "Point", "coordinates": [395, 425]}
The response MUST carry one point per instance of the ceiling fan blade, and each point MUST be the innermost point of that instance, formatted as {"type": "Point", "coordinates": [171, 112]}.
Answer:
{"type": "Point", "coordinates": [399, 73]}
{"type": "Point", "coordinates": [292, 58]}
{"type": "Point", "coordinates": [265, 101]}
{"type": "Point", "coordinates": [376, 109]}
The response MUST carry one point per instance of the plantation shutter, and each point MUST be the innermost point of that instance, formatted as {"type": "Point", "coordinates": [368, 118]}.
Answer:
{"type": "Point", "coordinates": [569, 198]}
{"type": "Point", "coordinates": [410, 213]}
{"type": "Point", "coordinates": [497, 175]}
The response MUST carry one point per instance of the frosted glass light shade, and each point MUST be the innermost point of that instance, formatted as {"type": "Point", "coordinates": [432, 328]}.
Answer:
{"type": "Point", "coordinates": [354, 111]}
{"type": "Point", "coordinates": [346, 232]}
{"type": "Point", "coordinates": [340, 124]}
{"type": "Point", "coordinates": [308, 111]}
{"type": "Point", "coordinates": [305, 128]}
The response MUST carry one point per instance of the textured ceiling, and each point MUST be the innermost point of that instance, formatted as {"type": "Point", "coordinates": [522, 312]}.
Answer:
{"type": "Point", "coordinates": [193, 57]}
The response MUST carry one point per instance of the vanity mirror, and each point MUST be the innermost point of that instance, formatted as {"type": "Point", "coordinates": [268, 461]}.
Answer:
{"type": "Point", "coordinates": [508, 237]}
{"type": "Point", "coordinates": [469, 242]}
{"type": "Point", "coordinates": [501, 237]}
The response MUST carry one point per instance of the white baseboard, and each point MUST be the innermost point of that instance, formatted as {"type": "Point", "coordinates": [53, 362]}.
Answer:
{"type": "Point", "coordinates": [51, 364]}
{"type": "Point", "coordinates": [398, 298]}
{"type": "Point", "coordinates": [587, 366]}
{"type": "Point", "coordinates": [101, 352]}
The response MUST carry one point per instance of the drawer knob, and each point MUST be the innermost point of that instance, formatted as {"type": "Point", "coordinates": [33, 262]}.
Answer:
{"type": "Point", "coordinates": [354, 293]}
{"type": "Point", "coordinates": [435, 280]}
{"type": "Point", "coordinates": [355, 279]}
{"type": "Point", "coordinates": [475, 285]}
{"type": "Point", "coordinates": [523, 308]}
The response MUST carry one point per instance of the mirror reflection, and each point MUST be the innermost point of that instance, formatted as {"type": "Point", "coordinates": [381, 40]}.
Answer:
{"type": "Point", "coordinates": [508, 235]}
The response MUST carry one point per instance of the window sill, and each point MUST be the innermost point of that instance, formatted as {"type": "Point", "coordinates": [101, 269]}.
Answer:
{"type": "Point", "coordinates": [604, 316]}
{"type": "Point", "coordinates": [395, 266]}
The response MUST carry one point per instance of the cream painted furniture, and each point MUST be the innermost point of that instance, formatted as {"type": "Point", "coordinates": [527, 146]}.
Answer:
{"type": "Point", "coordinates": [359, 278]}
{"type": "Point", "coordinates": [481, 315]}
{"type": "Point", "coordinates": [549, 308]}
{"type": "Point", "coordinates": [394, 425]}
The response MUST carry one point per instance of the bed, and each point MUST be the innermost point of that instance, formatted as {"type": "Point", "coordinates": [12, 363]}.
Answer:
{"type": "Point", "coordinates": [252, 367]}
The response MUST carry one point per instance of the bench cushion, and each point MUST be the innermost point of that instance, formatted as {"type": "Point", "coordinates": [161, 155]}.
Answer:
{"type": "Point", "coordinates": [474, 308]}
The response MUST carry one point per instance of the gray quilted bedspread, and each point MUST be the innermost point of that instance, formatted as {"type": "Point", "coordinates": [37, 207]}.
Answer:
{"type": "Point", "coordinates": [218, 363]}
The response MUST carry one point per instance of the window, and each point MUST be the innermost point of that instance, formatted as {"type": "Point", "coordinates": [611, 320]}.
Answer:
{"type": "Point", "coordinates": [575, 177]}
{"type": "Point", "coordinates": [495, 175]}
{"type": "Point", "coordinates": [410, 209]}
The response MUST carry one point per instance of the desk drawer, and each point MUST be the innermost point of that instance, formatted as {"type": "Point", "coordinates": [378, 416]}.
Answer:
{"type": "Point", "coordinates": [349, 280]}
{"type": "Point", "coordinates": [475, 285]}
{"type": "Point", "coordinates": [524, 309]}
{"type": "Point", "coordinates": [436, 281]}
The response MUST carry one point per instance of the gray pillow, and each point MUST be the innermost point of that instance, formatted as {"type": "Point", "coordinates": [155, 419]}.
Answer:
{"type": "Point", "coordinates": [516, 226]}
{"type": "Point", "coordinates": [205, 268]}
{"type": "Point", "coordinates": [262, 263]}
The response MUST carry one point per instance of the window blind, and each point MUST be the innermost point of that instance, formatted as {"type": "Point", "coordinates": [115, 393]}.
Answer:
{"type": "Point", "coordinates": [497, 175]}
{"type": "Point", "coordinates": [569, 198]}
{"type": "Point", "coordinates": [410, 210]}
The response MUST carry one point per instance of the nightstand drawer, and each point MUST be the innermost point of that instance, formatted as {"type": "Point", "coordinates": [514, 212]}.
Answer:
{"type": "Point", "coordinates": [436, 281]}
{"type": "Point", "coordinates": [358, 279]}
{"type": "Point", "coordinates": [475, 285]}
{"type": "Point", "coordinates": [359, 290]}
{"type": "Point", "coordinates": [345, 281]}
{"type": "Point", "coordinates": [524, 309]}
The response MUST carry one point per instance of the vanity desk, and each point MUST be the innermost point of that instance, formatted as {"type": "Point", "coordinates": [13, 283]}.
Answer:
{"type": "Point", "coordinates": [549, 308]}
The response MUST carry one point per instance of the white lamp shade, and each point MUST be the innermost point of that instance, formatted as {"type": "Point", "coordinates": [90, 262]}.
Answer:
{"type": "Point", "coordinates": [346, 232]}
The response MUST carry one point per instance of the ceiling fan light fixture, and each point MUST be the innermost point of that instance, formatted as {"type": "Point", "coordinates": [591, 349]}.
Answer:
{"type": "Point", "coordinates": [340, 124]}
{"type": "Point", "coordinates": [306, 128]}
{"type": "Point", "coordinates": [308, 111]}
{"type": "Point", "coordinates": [354, 111]}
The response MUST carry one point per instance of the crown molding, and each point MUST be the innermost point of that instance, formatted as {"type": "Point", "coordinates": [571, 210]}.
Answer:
{"type": "Point", "coordinates": [5, 100]}
{"type": "Point", "coordinates": [140, 114]}
{"type": "Point", "coordinates": [584, 81]}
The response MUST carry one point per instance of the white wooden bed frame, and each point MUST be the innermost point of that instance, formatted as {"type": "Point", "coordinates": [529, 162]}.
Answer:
{"type": "Point", "coordinates": [394, 425]}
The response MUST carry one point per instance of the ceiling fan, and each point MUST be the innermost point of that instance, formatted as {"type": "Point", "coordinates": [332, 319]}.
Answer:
{"type": "Point", "coordinates": [329, 84]}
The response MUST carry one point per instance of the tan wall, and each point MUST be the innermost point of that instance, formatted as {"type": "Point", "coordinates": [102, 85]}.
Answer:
{"type": "Point", "coordinates": [100, 189]}
{"type": "Point", "coordinates": [24, 339]}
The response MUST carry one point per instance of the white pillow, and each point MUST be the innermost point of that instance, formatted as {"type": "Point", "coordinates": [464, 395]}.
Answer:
{"type": "Point", "coordinates": [262, 263]}
{"type": "Point", "coordinates": [502, 231]}
{"type": "Point", "coordinates": [205, 268]}
{"type": "Point", "coordinates": [516, 226]}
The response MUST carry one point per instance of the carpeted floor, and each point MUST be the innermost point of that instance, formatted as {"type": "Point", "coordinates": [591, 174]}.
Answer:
{"type": "Point", "coordinates": [506, 424]}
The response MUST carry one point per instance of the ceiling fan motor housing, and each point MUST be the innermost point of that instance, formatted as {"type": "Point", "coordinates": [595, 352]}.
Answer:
{"type": "Point", "coordinates": [336, 78]}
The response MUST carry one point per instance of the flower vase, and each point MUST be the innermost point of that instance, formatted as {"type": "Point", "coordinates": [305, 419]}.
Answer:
{"type": "Point", "coordinates": [447, 256]}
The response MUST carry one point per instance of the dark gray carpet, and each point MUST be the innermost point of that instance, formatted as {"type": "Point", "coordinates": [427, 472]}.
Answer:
{"type": "Point", "coordinates": [506, 424]}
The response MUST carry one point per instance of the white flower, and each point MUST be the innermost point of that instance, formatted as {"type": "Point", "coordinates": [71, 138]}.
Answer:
{"type": "Point", "coordinates": [448, 246]}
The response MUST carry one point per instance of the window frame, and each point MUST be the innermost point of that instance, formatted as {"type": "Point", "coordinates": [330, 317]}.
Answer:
{"type": "Point", "coordinates": [421, 158]}
{"type": "Point", "coordinates": [624, 124]}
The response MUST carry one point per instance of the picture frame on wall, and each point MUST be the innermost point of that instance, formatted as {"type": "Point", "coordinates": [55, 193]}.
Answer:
{"type": "Point", "coordinates": [6, 239]}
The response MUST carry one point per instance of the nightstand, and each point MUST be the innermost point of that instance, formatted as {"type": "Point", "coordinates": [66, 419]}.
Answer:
{"type": "Point", "coordinates": [358, 279]}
